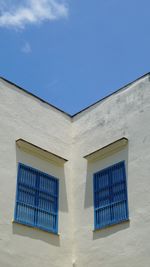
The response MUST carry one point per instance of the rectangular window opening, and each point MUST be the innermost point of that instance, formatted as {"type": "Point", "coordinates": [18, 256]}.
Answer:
{"type": "Point", "coordinates": [110, 196]}
{"type": "Point", "coordinates": [37, 199]}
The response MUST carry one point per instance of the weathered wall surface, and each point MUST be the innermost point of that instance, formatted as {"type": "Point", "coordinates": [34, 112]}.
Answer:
{"type": "Point", "coordinates": [124, 114]}
{"type": "Point", "coordinates": [23, 116]}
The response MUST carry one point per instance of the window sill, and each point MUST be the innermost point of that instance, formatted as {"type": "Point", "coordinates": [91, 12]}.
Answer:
{"type": "Point", "coordinates": [36, 228]}
{"type": "Point", "coordinates": [111, 225]}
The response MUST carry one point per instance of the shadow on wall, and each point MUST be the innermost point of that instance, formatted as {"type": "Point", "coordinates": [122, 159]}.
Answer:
{"type": "Point", "coordinates": [110, 230]}
{"type": "Point", "coordinates": [88, 201]}
{"type": "Point", "coordinates": [33, 233]}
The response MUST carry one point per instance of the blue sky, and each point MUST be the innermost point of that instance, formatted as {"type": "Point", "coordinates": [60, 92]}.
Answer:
{"type": "Point", "coordinates": [74, 52]}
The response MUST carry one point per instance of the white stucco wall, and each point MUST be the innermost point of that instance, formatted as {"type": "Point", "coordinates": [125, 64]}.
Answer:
{"type": "Point", "coordinates": [23, 116]}
{"type": "Point", "coordinates": [124, 114]}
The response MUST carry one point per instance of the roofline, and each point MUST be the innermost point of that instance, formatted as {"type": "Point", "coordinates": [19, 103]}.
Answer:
{"type": "Point", "coordinates": [113, 93]}
{"type": "Point", "coordinates": [37, 97]}
{"type": "Point", "coordinates": [84, 109]}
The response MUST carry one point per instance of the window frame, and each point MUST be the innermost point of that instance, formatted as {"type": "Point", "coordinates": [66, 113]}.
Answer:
{"type": "Point", "coordinates": [111, 223]}
{"type": "Point", "coordinates": [37, 172]}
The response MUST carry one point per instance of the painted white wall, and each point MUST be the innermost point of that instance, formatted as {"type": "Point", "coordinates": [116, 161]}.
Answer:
{"type": "Point", "coordinates": [124, 114]}
{"type": "Point", "coordinates": [23, 116]}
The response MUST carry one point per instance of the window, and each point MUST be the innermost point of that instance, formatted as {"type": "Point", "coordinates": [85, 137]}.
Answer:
{"type": "Point", "coordinates": [110, 196]}
{"type": "Point", "coordinates": [36, 199]}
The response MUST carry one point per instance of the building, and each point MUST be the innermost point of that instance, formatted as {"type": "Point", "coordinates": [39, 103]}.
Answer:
{"type": "Point", "coordinates": [75, 190]}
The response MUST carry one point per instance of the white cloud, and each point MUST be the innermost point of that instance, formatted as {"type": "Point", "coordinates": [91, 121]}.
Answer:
{"type": "Point", "coordinates": [26, 48]}
{"type": "Point", "coordinates": [17, 15]}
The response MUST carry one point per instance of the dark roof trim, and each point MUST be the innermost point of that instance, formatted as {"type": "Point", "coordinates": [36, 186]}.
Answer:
{"type": "Point", "coordinates": [37, 97]}
{"type": "Point", "coordinates": [72, 116]}
{"type": "Point", "coordinates": [29, 146]}
{"type": "Point", "coordinates": [113, 93]}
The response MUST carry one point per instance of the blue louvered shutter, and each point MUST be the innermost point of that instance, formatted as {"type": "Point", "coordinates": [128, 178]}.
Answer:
{"type": "Point", "coordinates": [37, 199]}
{"type": "Point", "coordinates": [47, 215]}
{"type": "Point", "coordinates": [110, 196]}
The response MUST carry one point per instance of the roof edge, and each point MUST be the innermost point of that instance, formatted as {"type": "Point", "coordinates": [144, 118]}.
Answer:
{"type": "Point", "coordinates": [113, 93]}
{"type": "Point", "coordinates": [37, 97]}
{"type": "Point", "coordinates": [84, 109]}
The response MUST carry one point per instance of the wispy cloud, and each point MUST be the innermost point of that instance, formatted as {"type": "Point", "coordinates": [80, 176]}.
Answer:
{"type": "Point", "coordinates": [18, 15]}
{"type": "Point", "coordinates": [26, 48]}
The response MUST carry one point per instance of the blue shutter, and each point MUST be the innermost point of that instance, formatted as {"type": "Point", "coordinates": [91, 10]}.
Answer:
{"type": "Point", "coordinates": [110, 196]}
{"type": "Point", "coordinates": [47, 216]}
{"type": "Point", "coordinates": [37, 199]}
{"type": "Point", "coordinates": [119, 193]}
{"type": "Point", "coordinates": [26, 192]}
